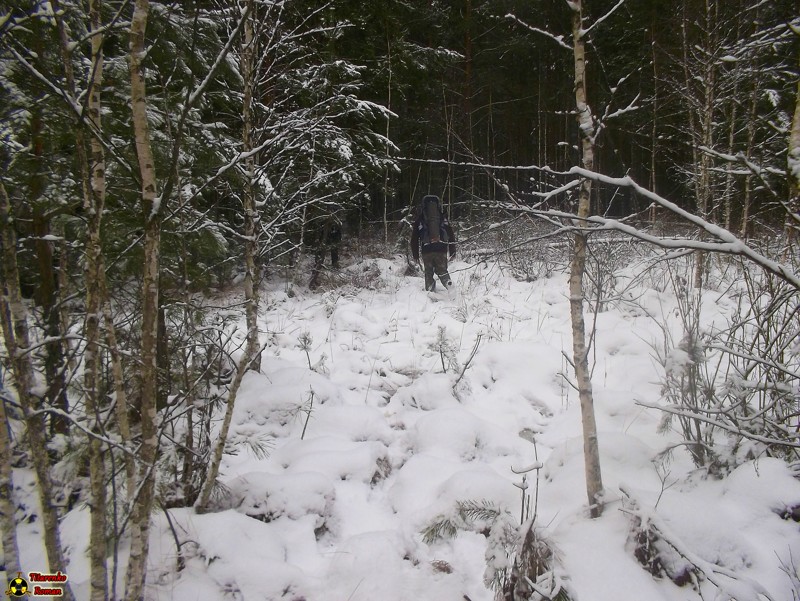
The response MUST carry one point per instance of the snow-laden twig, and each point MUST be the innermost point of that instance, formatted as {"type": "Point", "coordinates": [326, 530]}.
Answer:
{"type": "Point", "coordinates": [603, 18]}
{"type": "Point", "coordinates": [528, 468]}
{"type": "Point", "coordinates": [558, 39]}
{"type": "Point", "coordinates": [703, 416]}
{"type": "Point", "coordinates": [469, 360]}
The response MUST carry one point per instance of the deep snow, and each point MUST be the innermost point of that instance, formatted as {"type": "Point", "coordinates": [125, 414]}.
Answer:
{"type": "Point", "coordinates": [392, 445]}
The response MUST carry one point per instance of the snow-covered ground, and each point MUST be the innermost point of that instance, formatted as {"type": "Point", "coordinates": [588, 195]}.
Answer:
{"type": "Point", "coordinates": [396, 438]}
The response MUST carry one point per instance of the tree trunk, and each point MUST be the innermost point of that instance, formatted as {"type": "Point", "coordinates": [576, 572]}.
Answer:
{"type": "Point", "coordinates": [46, 295]}
{"type": "Point", "coordinates": [586, 126]}
{"type": "Point", "coordinates": [654, 126]}
{"type": "Point", "coordinates": [10, 546]}
{"type": "Point", "coordinates": [151, 209]}
{"type": "Point", "coordinates": [792, 221]}
{"type": "Point", "coordinates": [94, 204]}
{"type": "Point", "coordinates": [47, 298]}
{"type": "Point", "coordinates": [701, 111]}
{"type": "Point", "coordinates": [745, 230]}
{"type": "Point", "coordinates": [216, 459]}
{"type": "Point", "coordinates": [118, 375]}
{"type": "Point", "coordinates": [92, 176]}
{"type": "Point", "coordinates": [388, 122]}
{"type": "Point", "coordinates": [251, 225]}
{"type": "Point", "coordinates": [17, 342]}
{"type": "Point", "coordinates": [251, 359]}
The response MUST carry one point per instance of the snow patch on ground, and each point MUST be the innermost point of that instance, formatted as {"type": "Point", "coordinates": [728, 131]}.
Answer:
{"type": "Point", "coordinates": [378, 441]}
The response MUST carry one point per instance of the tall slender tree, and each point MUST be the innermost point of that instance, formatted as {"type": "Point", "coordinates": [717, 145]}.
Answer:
{"type": "Point", "coordinates": [580, 349]}
{"type": "Point", "coordinates": [151, 213]}
{"type": "Point", "coordinates": [792, 220]}
{"type": "Point", "coordinates": [251, 214]}
{"type": "Point", "coordinates": [91, 173]}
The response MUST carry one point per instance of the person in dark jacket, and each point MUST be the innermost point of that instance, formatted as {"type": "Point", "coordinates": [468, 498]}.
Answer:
{"type": "Point", "coordinates": [433, 238]}
{"type": "Point", "coordinates": [328, 239]}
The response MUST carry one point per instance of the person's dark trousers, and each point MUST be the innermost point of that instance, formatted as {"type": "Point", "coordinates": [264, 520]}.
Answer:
{"type": "Point", "coordinates": [435, 263]}
{"type": "Point", "coordinates": [319, 260]}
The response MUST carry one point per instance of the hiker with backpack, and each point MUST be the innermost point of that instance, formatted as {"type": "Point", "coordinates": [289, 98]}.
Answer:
{"type": "Point", "coordinates": [433, 237]}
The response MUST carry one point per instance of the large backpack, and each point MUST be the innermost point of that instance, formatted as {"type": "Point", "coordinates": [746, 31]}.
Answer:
{"type": "Point", "coordinates": [433, 222]}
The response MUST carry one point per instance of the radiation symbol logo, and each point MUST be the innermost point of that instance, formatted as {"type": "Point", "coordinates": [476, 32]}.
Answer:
{"type": "Point", "coordinates": [18, 587]}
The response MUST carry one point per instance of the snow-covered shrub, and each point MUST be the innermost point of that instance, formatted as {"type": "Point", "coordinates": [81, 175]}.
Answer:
{"type": "Point", "coordinates": [521, 564]}
{"type": "Point", "coordinates": [486, 518]}
{"type": "Point", "coordinates": [364, 275]}
{"type": "Point", "coordinates": [761, 390]}
{"type": "Point", "coordinates": [734, 388]}
{"type": "Point", "coordinates": [268, 497]}
{"type": "Point", "coordinates": [446, 349]}
{"type": "Point", "coordinates": [689, 375]}
{"type": "Point", "coordinates": [535, 573]}
{"type": "Point", "coordinates": [473, 516]}
{"type": "Point", "coordinates": [606, 256]}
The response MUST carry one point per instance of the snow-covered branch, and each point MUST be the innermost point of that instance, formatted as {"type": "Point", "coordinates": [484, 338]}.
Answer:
{"type": "Point", "coordinates": [604, 17]}
{"type": "Point", "coordinates": [727, 243]}
{"type": "Point", "coordinates": [700, 415]}
{"type": "Point", "coordinates": [218, 62]}
{"type": "Point", "coordinates": [558, 39]}
{"type": "Point", "coordinates": [730, 584]}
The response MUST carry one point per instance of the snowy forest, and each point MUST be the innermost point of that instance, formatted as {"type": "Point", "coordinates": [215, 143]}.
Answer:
{"type": "Point", "coordinates": [197, 404]}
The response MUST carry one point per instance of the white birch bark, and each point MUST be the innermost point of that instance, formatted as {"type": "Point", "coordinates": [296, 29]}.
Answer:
{"type": "Point", "coordinates": [700, 112]}
{"type": "Point", "coordinates": [591, 453]}
{"type": "Point", "coordinates": [140, 521]}
{"type": "Point", "coordinates": [94, 203]}
{"type": "Point", "coordinates": [792, 222]}
{"type": "Point", "coordinates": [118, 376]}
{"type": "Point", "coordinates": [251, 279]}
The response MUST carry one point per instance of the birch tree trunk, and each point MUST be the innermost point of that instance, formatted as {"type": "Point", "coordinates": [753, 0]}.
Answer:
{"type": "Point", "coordinates": [591, 452]}
{"type": "Point", "coordinates": [118, 376]}
{"type": "Point", "coordinates": [17, 341]}
{"type": "Point", "coordinates": [94, 203]}
{"type": "Point", "coordinates": [747, 195]}
{"type": "Point", "coordinates": [792, 222]}
{"type": "Point", "coordinates": [251, 277]}
{"type": "Point", "coordinates": [121, 413]}
{"type": "Point", "coordinates": [140, 520]}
